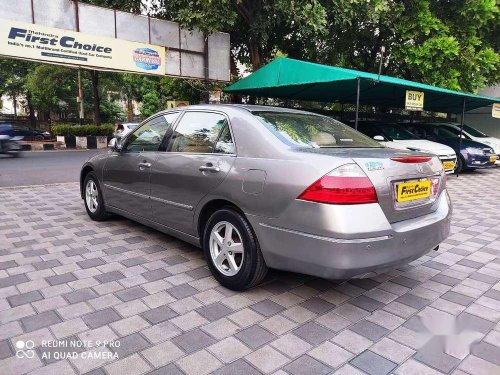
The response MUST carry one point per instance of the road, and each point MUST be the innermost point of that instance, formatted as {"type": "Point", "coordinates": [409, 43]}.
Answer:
{"type": "Point", "coordinates": [44, 167]}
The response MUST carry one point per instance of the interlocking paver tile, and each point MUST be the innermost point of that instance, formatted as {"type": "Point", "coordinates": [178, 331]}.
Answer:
{"type": "Point", "coordinates": [367, 303]}
{"type": "Point", "coordinates": [100, 318]}
{"type": "Point", "coordinates": [193, 340]}
{"type": "Point", "coordinates": [255, 336]}
{"type": "Point", "coordinates": [131, 293]}
{"type": "Point", "coordinates": [313, 333]}
{"type": "Point", "coordinates": [266, 359]}
{"type": "Point", "coordinates": [45, 319]}
{"type": "Point", "coordinates": [373, 364]}
{"type": "Point", "coordinates": [182, 291]}
{"type": "Point", "coordinates": [413, 301]}
{"type": "Point", "coordinates": [60, 279]}
{"type": "Point", "coordinates": [369, 330]}
{"type": "Point", "coordinates": [306, 365]}
{"type": "Point", "coordinates": [433, 355]}
{"type": "Point", "coordinates": [317, 305]}
{"type": "Point", "coordinates": [109, 276]}
{"type": "Point", "coordinates": [486, 351]}
{"type": "Point", "coordinates": [21, 299]}
{"type": "Point", "coordinates": [130, 344]}
{"type": "Point", "coordinates": [5, 350]}
{"type": "Point", "coordinates": [267, 308]}
{"type": "Point", "coordinates": [239, 367]}
{"type": "Point", "coordinates": [13, 280]}
{"type": "Point", "coordinates": [120, 280]}
{"type": "Point", "coordinates": [80, 295]}
{"type": "Point", "coordinates": [229, 350]}
{"type": "Point", "coordinates": [291, 345]}
{"type": "Point", "coordinates": [214, 311]}
{"type": "Point", "coordinates": [159, 314]}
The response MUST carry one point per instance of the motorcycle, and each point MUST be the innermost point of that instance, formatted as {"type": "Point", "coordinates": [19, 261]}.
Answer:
{"type": "Point", "coordinates": [10, 145]}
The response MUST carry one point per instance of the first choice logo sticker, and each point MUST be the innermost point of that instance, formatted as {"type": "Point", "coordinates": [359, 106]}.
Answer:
{"type": "Point", "coordinates": [409, 191]}
{"type": "Point", "coordinates": [147, 58]}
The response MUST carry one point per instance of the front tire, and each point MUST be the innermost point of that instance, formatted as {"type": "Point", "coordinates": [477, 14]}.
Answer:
{"type": "Point", "coordinates": [92, 196]}
{"type": "Point", "coordinates": [232, 250]}
{"type": "Point", "coordinates": [460, 164]}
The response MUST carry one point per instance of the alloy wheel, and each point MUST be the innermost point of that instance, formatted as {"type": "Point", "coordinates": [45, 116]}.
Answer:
{"type": "Point", "coordinates": [91, 196]}
{"type": "Point", "coordinates": [226, 248]}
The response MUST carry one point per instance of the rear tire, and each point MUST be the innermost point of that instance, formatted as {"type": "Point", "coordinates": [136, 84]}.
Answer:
{"type": "Point", "coordinates": [235, 259]}
{"type": "Point", "coordinates": [93, 199]}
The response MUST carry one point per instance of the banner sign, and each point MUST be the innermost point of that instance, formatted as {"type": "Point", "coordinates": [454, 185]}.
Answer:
{"type": "Point", "coordinates": [58, 46]}
{"type": "Point", "coordinates": [414, 100]}
{"type": "Point", "coordinates": [495, 111]}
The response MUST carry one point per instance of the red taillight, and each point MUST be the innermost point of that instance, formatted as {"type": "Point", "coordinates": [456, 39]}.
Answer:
{"type": "Point", "coordinates": [345, 185]}
{"type": "Point", "coordinates": [411, 159]}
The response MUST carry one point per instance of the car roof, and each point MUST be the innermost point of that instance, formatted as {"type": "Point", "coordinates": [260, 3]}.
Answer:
{"type": "Point", "coordinates": [246, 107]}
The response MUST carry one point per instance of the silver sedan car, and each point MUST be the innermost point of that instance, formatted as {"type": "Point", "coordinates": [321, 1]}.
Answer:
{"type": "Point", "coordinates": [261, 187]}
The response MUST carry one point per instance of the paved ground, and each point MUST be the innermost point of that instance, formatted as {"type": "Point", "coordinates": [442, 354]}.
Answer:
{"type": "Point", "coordinates": [152, 299]}
{"type": "Point", "coordinates": [44, 167]}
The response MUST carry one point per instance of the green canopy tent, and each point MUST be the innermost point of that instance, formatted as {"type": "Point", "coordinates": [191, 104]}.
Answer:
{"type": "Point", "coordinates": [294, 79]}
{"type": "Point", "coordinates": [301, 80]}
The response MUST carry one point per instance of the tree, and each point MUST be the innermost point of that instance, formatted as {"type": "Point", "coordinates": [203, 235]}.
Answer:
{"type": "Point", "coordinates": [445, 43]}
{"type": "Point", "coordinates": [451, 43]}
{"type": "Point", "coordinates": [53, 89]}
{"type": "Point", "coordinates": [256, 26]}
{"type": "Point", "coordinates": [13, 83]}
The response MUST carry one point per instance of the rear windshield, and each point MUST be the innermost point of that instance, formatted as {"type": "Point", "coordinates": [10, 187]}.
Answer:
{"type": "Point", "coordinates": [395, 132]}
{"type": "Point", "coordinates": [474, 132]}
{"type": "Point", "coordinates": [313, 131]}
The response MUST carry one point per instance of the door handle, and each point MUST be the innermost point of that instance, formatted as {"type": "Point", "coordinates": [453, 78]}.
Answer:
{"type": "Point", "coordinates": [209, 168]}
{"type": "Point", "coordinates": [144, 165]}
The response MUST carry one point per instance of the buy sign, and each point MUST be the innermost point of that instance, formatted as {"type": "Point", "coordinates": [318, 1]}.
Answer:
{"type": "Point", "coordinates": [495, 111]}
{"type": "Point", "coordinates": [414, 100]}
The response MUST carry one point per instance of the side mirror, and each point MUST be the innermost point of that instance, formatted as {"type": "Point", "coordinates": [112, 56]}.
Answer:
{"type": "Point", "coordinates": [115, 144]}
{"type": "Point", "coordinates": [379, 138]}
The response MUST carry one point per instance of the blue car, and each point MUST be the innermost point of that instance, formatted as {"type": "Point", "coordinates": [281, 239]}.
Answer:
{"type": "Point", "coordinates": [472, 154]}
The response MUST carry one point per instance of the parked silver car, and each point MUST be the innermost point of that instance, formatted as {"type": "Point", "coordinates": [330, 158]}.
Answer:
{"type": "Point", "coordinates": [260, 187]}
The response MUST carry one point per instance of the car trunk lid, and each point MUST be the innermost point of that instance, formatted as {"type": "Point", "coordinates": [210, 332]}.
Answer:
{"type": "Point", "coordinates": [405, 190]}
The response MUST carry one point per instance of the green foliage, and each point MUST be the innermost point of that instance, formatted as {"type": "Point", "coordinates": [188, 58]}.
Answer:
{"type": "Point", "coordinates": [453, 44]}
{"type": "Point", "coordinates": [151, 104]}
{"type": "Point", "coordinates": [83, 130]}
{"type": "Point", "coordinates": [53, 87]}
{"type": "Point", "coordinates": [110, 110]}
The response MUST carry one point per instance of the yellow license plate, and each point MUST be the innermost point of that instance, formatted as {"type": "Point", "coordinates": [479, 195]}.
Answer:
{"type": "Point", "coordinates": [448, 164]}
{"type": "Point", "coordinates": [411, 191]}
{"type": "Point", "coordinates": [493, 158]}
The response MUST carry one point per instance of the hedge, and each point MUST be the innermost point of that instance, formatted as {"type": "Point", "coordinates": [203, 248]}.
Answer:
{"type": "Point", "coordinates": [83, 130]}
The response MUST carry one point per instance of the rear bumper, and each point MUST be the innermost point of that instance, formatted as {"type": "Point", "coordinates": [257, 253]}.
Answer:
{"type": "Point", "coordinates": [368, 254]}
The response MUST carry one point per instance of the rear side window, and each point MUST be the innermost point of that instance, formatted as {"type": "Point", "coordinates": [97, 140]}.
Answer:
{"type": "Point", "coordinates": [197, 132]}
{"type": "Point", "coordinates": [313, 131]}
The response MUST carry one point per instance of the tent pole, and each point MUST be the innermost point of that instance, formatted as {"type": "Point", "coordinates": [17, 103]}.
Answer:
{"type": "Point", "coordinates": [461, 129]}
{"type": "Point", "coordinates": [357, 104]}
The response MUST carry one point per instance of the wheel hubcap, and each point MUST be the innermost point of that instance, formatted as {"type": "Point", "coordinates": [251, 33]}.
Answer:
{"type": "Point", "coordinates": [91, 195]}
{"type": "Point", "coordinates": [226, 248]}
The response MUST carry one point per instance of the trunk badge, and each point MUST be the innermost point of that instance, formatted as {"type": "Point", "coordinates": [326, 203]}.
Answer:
{"type": "Point", "coordinates": [420, 169]}
{"type": "Point", "coordinates": [374, 165]}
